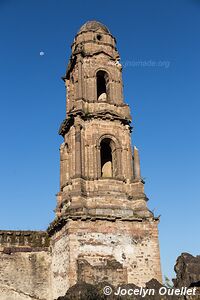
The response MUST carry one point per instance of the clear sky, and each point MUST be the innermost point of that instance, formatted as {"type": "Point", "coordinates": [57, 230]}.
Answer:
{"type": "Point", "coordinates": [159, 44]}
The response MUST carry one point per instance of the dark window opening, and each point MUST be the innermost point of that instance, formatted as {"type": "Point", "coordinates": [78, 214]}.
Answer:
{"type": "Point", "coordinates": [72, 79]}
{"type": "Point", "coordinates": [106, 159]}
{"type": "Point", "coordinates": [102, 81]}
{"type": "Point", "coordinates": [99, 37]}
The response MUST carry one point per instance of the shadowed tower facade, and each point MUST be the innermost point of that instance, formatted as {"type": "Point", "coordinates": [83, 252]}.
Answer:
{"type": "Point", "coordinates": [103, 230]}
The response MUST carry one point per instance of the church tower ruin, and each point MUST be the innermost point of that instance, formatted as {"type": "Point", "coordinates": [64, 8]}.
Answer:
{"type": "Point", "coordinates": [103, 230]}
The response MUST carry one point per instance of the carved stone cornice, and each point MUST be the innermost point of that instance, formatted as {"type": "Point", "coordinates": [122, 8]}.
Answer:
{"type": "Point", "coordinates": [102, 115]}
{"type": "Point", "coordinates": [58, 223]}
{"type": "Point", "coordinates": [65, 125]}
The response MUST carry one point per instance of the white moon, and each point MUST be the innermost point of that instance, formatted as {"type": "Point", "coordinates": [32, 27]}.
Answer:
{"type": "Point", "coordinates": [41, 53]}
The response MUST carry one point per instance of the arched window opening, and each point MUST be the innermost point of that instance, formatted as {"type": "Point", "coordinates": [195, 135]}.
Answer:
{"type": "Point", "coordinates": [102, 86]}
{"type": "Point", "coordinates": [106, 159]}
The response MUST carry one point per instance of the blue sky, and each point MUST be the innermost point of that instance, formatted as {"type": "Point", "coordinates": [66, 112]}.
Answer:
{"type": "Point", "coordinates": [164, 100]}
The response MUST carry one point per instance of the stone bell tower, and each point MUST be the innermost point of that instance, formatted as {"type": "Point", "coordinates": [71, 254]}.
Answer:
{"type": "Point", "coordinates": [103, 230]}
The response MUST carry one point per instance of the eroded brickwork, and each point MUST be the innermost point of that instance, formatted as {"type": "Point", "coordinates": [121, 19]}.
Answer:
{"type": "Point", "coordinates": [24, 265]}
{"type": "Point", "coordinates": [103, 250]}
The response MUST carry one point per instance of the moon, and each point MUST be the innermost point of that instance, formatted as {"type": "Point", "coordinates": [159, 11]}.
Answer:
{"type": "Point", "coordinates": [41, 53]}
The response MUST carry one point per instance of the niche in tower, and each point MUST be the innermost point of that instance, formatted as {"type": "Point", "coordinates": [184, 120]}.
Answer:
{"type": "Point", "coordinates": [106, 158]}
{"type": "Point", "coordinates": [102, 85]}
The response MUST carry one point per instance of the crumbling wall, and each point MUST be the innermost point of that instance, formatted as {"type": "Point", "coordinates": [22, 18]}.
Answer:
{"type": "Point", "coordinates": [24, 265]}
{"type": "Point", "coordinates": [117, 251]}
{"type": "Point", "coordinates": [60, 270]}
{"type": "Point", "coordinates": [108, 269]}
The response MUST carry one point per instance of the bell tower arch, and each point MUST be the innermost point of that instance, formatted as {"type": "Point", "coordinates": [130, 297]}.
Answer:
{"type": "Point", "coordinates": [103, 229]}
{"type": "Point", "coordinates": [102, 86]}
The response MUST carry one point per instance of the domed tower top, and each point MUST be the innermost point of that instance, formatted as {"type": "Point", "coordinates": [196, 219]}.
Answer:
{"type": "Point", "coordinates": [93, 26]}
{"type": "Point", "coordinates": [94, 37]}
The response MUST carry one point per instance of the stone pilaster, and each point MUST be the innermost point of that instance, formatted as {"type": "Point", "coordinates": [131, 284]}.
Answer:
{"type": "Point", "coordinates": [78, 155]}
{"type": "Point", "coordinates": [136, 161]}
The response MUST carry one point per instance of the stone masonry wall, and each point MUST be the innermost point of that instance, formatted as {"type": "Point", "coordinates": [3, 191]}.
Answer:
{"type": "Point", "coordinates": [24, 265]}
{"type": "Point", "coordinates": [94, 251]}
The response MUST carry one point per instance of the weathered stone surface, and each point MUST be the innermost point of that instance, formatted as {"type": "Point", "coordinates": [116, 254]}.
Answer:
{"type": "Point", "coordinates": [25, 275]}
{"type": "Point", "coordinates": [101, 250]}
{"type": "Point", "coordinates": [24, 265]}
{"type": "Point", "coordinates": [187, 270]}
{"type": "Point", "coordinates": [12, 241]}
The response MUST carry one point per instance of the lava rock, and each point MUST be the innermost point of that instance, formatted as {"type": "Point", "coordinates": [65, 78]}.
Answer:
{"type": "Point", "coordinates": [187, 270]}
